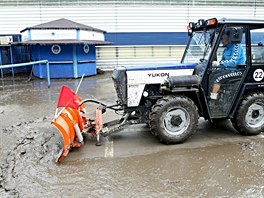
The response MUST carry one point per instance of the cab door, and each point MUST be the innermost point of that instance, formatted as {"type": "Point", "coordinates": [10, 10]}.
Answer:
{"type": "Point", "coordinates": [228, 78]}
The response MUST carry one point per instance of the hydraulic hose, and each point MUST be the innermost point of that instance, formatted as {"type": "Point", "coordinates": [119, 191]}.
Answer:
{"type": "Point", "coordinates": [100, 103]}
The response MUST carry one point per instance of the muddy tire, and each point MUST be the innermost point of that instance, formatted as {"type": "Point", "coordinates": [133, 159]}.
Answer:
{"type": "Point", "coordinates": [173, 119]}
{"type": "Point", "coordinates": [249, 118]}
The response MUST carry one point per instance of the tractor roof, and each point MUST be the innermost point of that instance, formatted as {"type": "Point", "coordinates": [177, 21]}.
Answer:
{"type": "Point", "coordinates": [241, 21]}
{"type": "Point", "coordinates": [214, 22]}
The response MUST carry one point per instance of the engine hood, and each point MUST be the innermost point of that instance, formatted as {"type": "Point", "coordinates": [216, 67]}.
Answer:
{"type": "Point", "coordinates": [161, 67]}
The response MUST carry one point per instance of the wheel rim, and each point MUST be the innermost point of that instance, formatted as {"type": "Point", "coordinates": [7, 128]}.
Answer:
{"type": "Point", "coordinates": [255, 115]}
{"type": "Point", "coordinates": [176, 121]}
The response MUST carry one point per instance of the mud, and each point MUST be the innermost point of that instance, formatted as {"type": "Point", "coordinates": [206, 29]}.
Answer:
{"type": "Point", "coordinates": [215, 162]}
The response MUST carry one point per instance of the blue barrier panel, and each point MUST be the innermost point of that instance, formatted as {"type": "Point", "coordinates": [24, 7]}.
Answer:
{"type": "Point", "coordinates": [27, 64]}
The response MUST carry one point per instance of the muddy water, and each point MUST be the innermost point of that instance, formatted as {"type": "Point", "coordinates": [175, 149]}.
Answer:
{"type": "Point", "coordinates": [209, 165]}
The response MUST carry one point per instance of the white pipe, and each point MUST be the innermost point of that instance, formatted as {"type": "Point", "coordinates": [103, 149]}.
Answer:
{"type": "Point", "coordinates": [78, 133]}
{"type": "Point", "coordinates": [56, 115]}
{"type": "Point", "coordinates": [79, 84]}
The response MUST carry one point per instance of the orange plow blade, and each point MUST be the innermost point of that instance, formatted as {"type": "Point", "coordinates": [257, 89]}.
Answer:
{"type": "Point", "coordinates": [69, 124]}
{"type": "Point", "coordinates": [72, 122]}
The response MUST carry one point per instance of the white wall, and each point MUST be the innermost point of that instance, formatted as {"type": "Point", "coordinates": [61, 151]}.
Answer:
{"type": "Point", "coordinates": [91, 35]}
{"type": "Point", "coordinates": [49, 34]}
{"type": "Point", "coordinates": [61, 34]}
{"type": "Point", "coordinates": [163, 18]}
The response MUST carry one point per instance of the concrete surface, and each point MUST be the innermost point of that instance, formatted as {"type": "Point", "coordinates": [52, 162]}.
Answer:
{"type": "Point", "coordinates": [214, 162]}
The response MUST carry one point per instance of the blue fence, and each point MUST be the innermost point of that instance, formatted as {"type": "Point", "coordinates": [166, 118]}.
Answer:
{"type": "Point", "coordinates": [28, 64]}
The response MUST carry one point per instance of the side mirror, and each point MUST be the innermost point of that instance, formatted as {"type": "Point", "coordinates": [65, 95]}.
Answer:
{"type": "Point", "coordinates": [236, 35]}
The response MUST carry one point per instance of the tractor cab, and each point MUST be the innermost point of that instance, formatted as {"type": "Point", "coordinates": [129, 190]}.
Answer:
{"type": "Point", "coordinates": [206, 48]}
{"type": "Point", "coordinates": [228, 54]}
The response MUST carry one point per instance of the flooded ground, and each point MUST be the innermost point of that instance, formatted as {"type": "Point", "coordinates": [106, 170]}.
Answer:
{"type": "Point", "coordinates": [215, 162]}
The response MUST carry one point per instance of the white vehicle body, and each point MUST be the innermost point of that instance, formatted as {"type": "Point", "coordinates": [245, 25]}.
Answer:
{"type": "Point", "coordinates": [138, 78]}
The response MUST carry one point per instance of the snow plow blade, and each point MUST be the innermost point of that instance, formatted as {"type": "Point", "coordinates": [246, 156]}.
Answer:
{"type": "Point", "coordinates": [72, 122]}
{"type": "Point", "coordinates": [69, 124]}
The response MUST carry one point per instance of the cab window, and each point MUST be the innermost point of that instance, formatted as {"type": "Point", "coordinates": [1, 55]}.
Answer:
{"type": "Point", "coordinates": [257, 46]}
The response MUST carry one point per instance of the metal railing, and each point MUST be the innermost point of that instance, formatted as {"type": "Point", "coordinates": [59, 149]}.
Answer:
{"type": "Point", "coordinates": [28, 64]}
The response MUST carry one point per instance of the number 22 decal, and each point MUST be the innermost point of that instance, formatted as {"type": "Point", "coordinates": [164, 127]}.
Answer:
{"type": "Point", "coordinates": [258, 75]}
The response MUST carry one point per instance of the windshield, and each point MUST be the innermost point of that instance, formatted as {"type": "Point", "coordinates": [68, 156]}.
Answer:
{"type": "Point", "coordinates": [199, 47]}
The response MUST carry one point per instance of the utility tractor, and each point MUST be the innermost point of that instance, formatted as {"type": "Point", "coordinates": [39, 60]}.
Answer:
{"type": "Point", "coordinates": [171, 98]}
